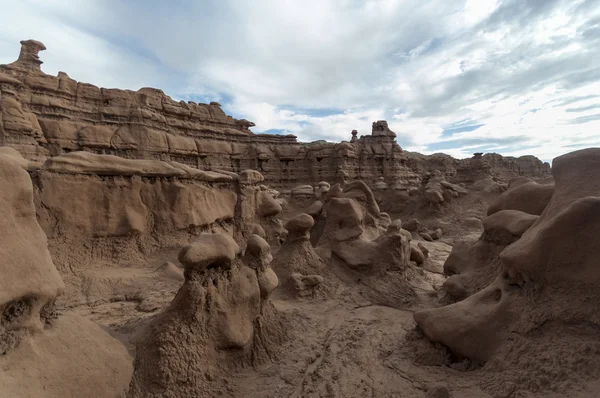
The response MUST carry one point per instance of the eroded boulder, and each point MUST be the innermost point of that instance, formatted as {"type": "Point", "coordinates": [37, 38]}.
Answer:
{"type": "Point", "coordinates": [220, 318]}
{"type": "Point", "coordinates": [543, 301]}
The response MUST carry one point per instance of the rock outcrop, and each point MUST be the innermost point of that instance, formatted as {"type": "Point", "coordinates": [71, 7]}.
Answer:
{"type": "Point", "coordinates": [44, 116]}
{"type": "Point", "coordinates": [543, 304]}
{"type": "Point", "coordinates": [45, 353]}
{"type": "Point", "coordinates": [221, 319]}
{"type": "Point", "coordinates": [297, 265]}
{"type": "Point", "coordinates": [471, 266]}
{"type": "Point", "coordinates": [364, 245]}
{"type": "Point", "coordinates": [97, 208]}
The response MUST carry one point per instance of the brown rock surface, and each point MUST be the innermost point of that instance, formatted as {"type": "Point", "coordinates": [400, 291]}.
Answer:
{"type": "Point", "coordinates": [472, 266]}
{"type": "Point", "coordinates": [219, 320]}
{"type": "Point", "coordinates": [44, 353]}
{"type": "Point", "coordinates": [45, 116]}
{"type": "Point", "coordinates": [543, 303]}
{"type": "Point", "coordinates": [297, 265]}
{"type": "Point", "coordinates": [529, 197]}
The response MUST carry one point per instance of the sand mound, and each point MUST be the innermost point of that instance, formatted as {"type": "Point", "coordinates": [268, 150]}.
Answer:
{"type": "Point", "coordinates": [543, 305]}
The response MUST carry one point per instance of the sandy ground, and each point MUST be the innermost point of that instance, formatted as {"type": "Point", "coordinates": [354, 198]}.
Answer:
{"type": "Point", "coordinates": [340, 346]}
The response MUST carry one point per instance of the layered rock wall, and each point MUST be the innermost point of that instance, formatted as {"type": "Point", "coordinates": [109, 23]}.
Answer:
{"type": "Point", "coordinates": [101, 208]}
{"type": "Point", "coordinates": [44, 116]}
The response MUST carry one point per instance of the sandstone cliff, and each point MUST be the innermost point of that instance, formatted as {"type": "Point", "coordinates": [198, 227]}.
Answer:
{"type": "Point", "coordinates": [44, 116]}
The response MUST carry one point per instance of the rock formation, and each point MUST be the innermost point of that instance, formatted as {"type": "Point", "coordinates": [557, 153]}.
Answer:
{"type": "Point", "coordinates": [297, 265]}
{"type": "Point", "coordinates": [45, 353]}
{"type": "Point", "coordinates": [220, 319]}
{"type": "Point", "coordinates": [472, 266]}
{"type": "Point", "coordinates": [363, 243]}
{"type": "Point", "coordinates": [527, 196]}
{"type": "Point", "coordinates": [45, 116]}
{"type": "Point", "coordinates": [543, 304]}
{"type": "Point", "coordinates": [126, 209]}
{"type": "Point", "coordinates": [437, 190]}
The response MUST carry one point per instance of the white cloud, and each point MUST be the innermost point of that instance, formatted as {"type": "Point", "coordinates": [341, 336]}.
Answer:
{"type": "Point", "coordinates": [526, 70]}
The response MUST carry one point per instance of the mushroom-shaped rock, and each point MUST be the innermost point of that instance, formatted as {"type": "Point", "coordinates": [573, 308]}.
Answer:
{"type": "Point", "coordinates": [249, 177]}
{"type": "Point", "coordinates": [297, 255]}
{"type": "Point", "coordinates": [257, 229]}
{"type": "Point", "coordinates": [210, 249]}
{"type": "Point", "coordinates": [219, 319]}
{"type": "Point", "coordinates": [258, 249]}
{"type": "Point", "coordinates": [322, 189]}
{"type": "Point", "coordinates": [258, 257]}
{"type": "Point", "coordinates": [300, 224]}
{"type": "Point", "coordinates": [335, 191]}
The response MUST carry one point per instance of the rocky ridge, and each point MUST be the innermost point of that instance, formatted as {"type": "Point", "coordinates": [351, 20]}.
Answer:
{"type": "Point", "coordinates": [44, 116]}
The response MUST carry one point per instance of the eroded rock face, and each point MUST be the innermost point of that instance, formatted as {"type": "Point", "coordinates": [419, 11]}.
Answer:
{"type": "Point", "coordinates": [529, 197]}
{"type": "Point", "coordinates": [42, 354]}
{"type": "Point", "coordinates": [103, 207]}
{"type": "Point", "coordinates": [45, 116]}
{"type": "Point", "coordinates": [544, 300]}
{"type": "Point", "coordinates": [219, 320]}
{"type": "Point", "coordinates": [438, 190]}
{"type": "Point", "coordinates": [365, 245]}
{"type": "Point", "coordinates": [472, 266]}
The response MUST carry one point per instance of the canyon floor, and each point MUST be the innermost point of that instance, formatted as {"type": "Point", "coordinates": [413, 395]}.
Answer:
{"type": "Point", "coordinates": [340, 344]}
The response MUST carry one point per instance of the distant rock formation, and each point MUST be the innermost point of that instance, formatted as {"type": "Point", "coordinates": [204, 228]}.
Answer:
{"type": "Point", "coordinates": [44, 116]}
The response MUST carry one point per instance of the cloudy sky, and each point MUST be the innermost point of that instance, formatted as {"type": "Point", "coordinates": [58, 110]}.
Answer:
{"type": "Point", "coordinates": [509, 76]}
